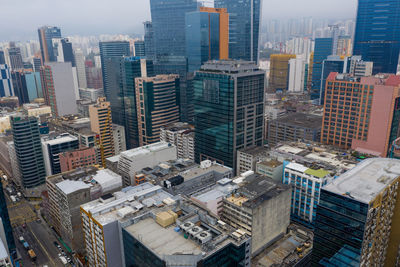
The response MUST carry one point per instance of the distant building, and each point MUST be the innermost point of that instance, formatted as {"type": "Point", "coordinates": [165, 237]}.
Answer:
{"type": "Point", "coordinates": [91, 93]}
{"type": "Point", "coordinates": [297, 74]}
{"type": "Point", "coordinates": [279, 72]}
{"type": "Point", "coordinates": [149, 40]}
{"type": "Point", "coordinates": [361, 207]}
{"type": "Point", "coordinates": [229, 108]}
{"type": "Point", "coordinates": [247, 158]}
{"type": "Point", "coordinates": [133, 160]}
{"type": "Point", "coordinates": [140, 50]}
{"type": "Point", "coordinates": [59, 88]}
{"type": "Point", "coordinates": [101, 124]}
{"type": "Point", "coordinates": [260, 207]}
{"type": "Point", "coordinates": [6, 86]}
{"type": "Point", "coordinates": [78, 158]}
{"type": "Point", "coordinates": [368, 116]}
{"type": "Point", "coordinates": [157, 105]}
{"type": "Point", "coordinates": [294, 127]}
{"type": "Point", "coordinates": [323, 48]}
{"type": "Point", "coordinates": [67, 191]}
{"type": "Point", "coordinates": [182, 136]}
{"type": "Point", "coordinates": [94, 78]}
{"type": "Point", "coordinates": [46, 35]}
{"type": "Point", "coordinates": [14, 54]}
{"type": "Point", "coordinates": [54, 145]}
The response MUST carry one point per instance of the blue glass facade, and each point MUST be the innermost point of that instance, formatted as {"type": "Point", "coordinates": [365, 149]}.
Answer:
{"type": "Point", "coordinates": [229, 104]}
{"type": "Point", "coordinates": [149, 40]}
{"type": "Point", "coordinates": [111, 54]}
{"type": "Point", "coordinates": [323, 48]}
{"type": "Point", "coordinates": [339, 227]}
{"type": "Point", "coordinates": [202, 38]}
{"type": "Point", "coordinates": [244, 27]}
{"type": "Point", "coordinates": [6, 221]}
{"type": "Point", "coordinates": [131, 69]}
{"type": "Point", "coordinates": [20, 88]}
{"type": "Point", "coordinates": [54, 150]}
{"type": "Point", "coordinates": [377, 34]}
{"type": "Point", "coordinates": [28, 150]}
{"type": "Point", "coordinates": [46, 41]}
{"type": "Point", "coordinates": [34, 85]}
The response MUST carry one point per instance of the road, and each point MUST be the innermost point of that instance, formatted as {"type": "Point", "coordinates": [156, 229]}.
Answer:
{"type": "Point", "coordinates": [38, 234]}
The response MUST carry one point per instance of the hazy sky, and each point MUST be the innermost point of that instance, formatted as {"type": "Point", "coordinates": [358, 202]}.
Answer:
{"type": "Point", "coordinates": [21, 18]}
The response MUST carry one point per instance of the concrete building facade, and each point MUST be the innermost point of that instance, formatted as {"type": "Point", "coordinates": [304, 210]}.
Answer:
{"type": "Point", "coordinates": [182, 136]}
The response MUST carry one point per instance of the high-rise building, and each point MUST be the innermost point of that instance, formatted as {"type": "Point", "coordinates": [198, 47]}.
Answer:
{"type": "Point", "coordinates": [27, 86]}
{"type": "Point", "coordinates": [101, 124]}
{"type": "Point", "coordinates": [229, 108]}
{"type": "Point", "coordinates": [59, 88]}
{"type": "Point", "coordinates": [93, 75]}
{"type": "Point", "coordinates": [323, 48]}
{"type": "Point", "coordinates": [279, 72]}
{"type": "Point", "coordinates": [20, 88]}
{"type": "Point", "coordinates": [148, 40]}
{"type": "Point", "coordinates": [297, 74]}
{"type": "Point", "coordinates": [2, 58]}
{"type": "Point", "coordinates": [132, 68]}
{"type": "Point", "coordinates": [362, 113]}
{"type": "Point", "coordinates": [63, 52]}
{"type": "Point", "coordinates": [80, 68]}
{"type": "Point", "coordinates": [119, 138]}
{"type": "Point", "coordinates": [111, 54]}
{"type": "Point", "coordinates": [244, 27]}
{"type": "Point", "coordinates": [140, 50]}
{"type": "Point", "coordinates": [345, 46]}
{"type": "Point", "coordinates": [6, 85]}
{"type": "Point", "coordinates": [46, 35]}
{"type": "Point", "coordinates": [28, 150]}
{"type": "Point", "coordinates": [37, 63]}
{"type": "Point", "coordinates": [331, 64]}
{"type": "Point", "coordinates": [377, 33]}
{"type": "Point", "coordinates": [357, 222]}
{"type": "Point", "coordinates": [207, 36]}
{"type": "Point", "coordinates": [157, 105]}
{"type": "Point", "coordinates": [14, 54]}
{"type": "Point", "coordinates": [5, 222]}
{"type": "Point", "coordinates": [52, 146]}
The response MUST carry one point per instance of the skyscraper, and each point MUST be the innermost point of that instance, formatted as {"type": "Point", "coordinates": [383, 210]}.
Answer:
{"type": "Point", "coordinates": [2, 57]}
{"type": "Point", "coordinates": [111, 54]}
{"type": "Point", "coordinates": [244, 27]}
{"type": "Point", "coordinates": [101, 124]}
{"type": "Point", "coordinates": [207, 36]}
{"type": "Point", "coordinates": [14, 53]}
{"type": "Point", "coordinates": [28, 150]}
{"type": "Point", "coordinates": [80, 68]}
{"type": "Point", "coordinates": [357, 222]}
{"type": "Point", "coordinates": [157, 104]}
{"type": "Point", "coordinates": [148, 40]}
{"type": "Point", "coordinates": [20, 87]}
{"type": "Point", "coordinates": [132, 68]}
{"type": "Point", "coordinates": [377, 34]}
{"type": "Point", "coordinates": [59, 88]}
{"type": "Point", "coordinates": [46, 35]}
{"type": "Point", "coordinates": [361, 113]}
{"type": "Point", "coordinates": [331, 64]}
{"type": "Point", "coordinates": [6, 86]}
{"type": "Point", "coordinates": [229, 107]}
{"type": "Point", "coordinates": [279, 72]}
{"type": "Point", "coordinates": [140, 50]}
{"type": "Point", "coordinates": [323, 48]}
{"type": "Point", "coordinates": [62, 50]}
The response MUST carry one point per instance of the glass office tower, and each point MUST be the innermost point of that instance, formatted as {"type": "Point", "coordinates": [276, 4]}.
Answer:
{"type": "Point", "coordinates": [5, 219]}
{"type": "Point", "coordinates": [111, 54]}
{"type": "Point", "coordinates": [323, 48]}
{"type": "Point", "coordinates": [377, 34]}
{"type": "Point", "coordinates": [229, 106]}
{"type": "Point", "coordinates": [46, 35]}
{"type": "Point", "coordinates": [133, 67]}
{"type": "Point", "coordinates": [244, 27]}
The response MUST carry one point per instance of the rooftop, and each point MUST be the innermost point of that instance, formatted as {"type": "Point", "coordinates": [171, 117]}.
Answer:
{"type": "Point", "coordinates": [70, 186]}
{"type": "Point", "coordinates": [62, 138]}
{"type": "Point", "coordinates": [255, 151]}
{"type": "Point", "coordinates": [364, 182]}
{"type": "Point", "coordinates": [301, 120]}
{"type": "Point", "coordinates": [272, 163]}
{"type": "Point", "coordinates": [178, 126]}
{"type": "Point", "coordinates": [229, 66]}
{"type": "Point", "coordinates": [139, 151]}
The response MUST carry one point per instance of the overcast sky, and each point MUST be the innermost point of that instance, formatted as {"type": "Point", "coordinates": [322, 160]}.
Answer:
{"type": "Point", "coordinates": [21, 18]}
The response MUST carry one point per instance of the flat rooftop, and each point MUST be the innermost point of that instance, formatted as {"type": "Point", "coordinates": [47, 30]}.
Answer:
{"type": "Point", "coordinates": [162, 241]}
{"type": "Point", "coordinates": [197, 171]}
{"type": "Point", "coordinates": [301, 120]}
{"type": "Point", "coordinates": [364, 182]}
{"type": "Point", "coordinates": [145, 149]}
{"type": "Point", "coordinates": [254, 151]}
{"type": "Point", "coordinates": [272, 163]}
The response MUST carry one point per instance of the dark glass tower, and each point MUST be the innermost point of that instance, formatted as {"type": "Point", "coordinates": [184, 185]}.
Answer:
{"type": "Point", "coordinates": [46, 35]}
{"type": "Point", "coordinates": [15, 56]}
{"type": "Point", "coordinates": [149, 40]}
{"type": "Point", "coordinates": [323, 48]}
{"type": "Point", "coordinates": [244, 27]}
{"type": "Point", "coordinates": [67, 51]}
{"type": "Point", "coordinates": [2, 58]}
{"type": "Point", "coordinates": [229, 104]}
{"type": "Point", "coordinates": [111, 54]}
{"type": "Point", "coordinates": [20, 86]}
{"type": "Point", "coordinates": [6, 221]}
{"type": "Point", "coordinates": [133, 67]}
{"type": "Point", "coordinates": [377, 34]}
{"type": "Point", "coordinates": [28, 150]}
{"type": "Point", "coordinates": [140, 50]}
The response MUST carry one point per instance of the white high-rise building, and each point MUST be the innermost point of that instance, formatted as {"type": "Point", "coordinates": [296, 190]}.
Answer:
{"type": "Point", "coordinates": [297, 68]}
{"type": "Point", "coordinates": [80, 68]}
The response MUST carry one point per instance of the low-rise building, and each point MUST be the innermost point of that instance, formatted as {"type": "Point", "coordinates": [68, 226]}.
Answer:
{"type": "Point", "coordinates": [68, 190]}
{"type": "Point", "coordinates": [248, 157]}
{"type": "Point", "coordinates": [78, 158]}
{"type": "Point", "coordinates": [260, 208]}
{"type": "Point", "coordinates": [182, 136]}
{"type": "Point", "coordinates": [294, 127]}
{"type": "Point", "coordinates": [271, 168]}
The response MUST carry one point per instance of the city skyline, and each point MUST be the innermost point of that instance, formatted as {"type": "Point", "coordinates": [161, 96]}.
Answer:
{"type": "Point", "coordinates": [128, 16]}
